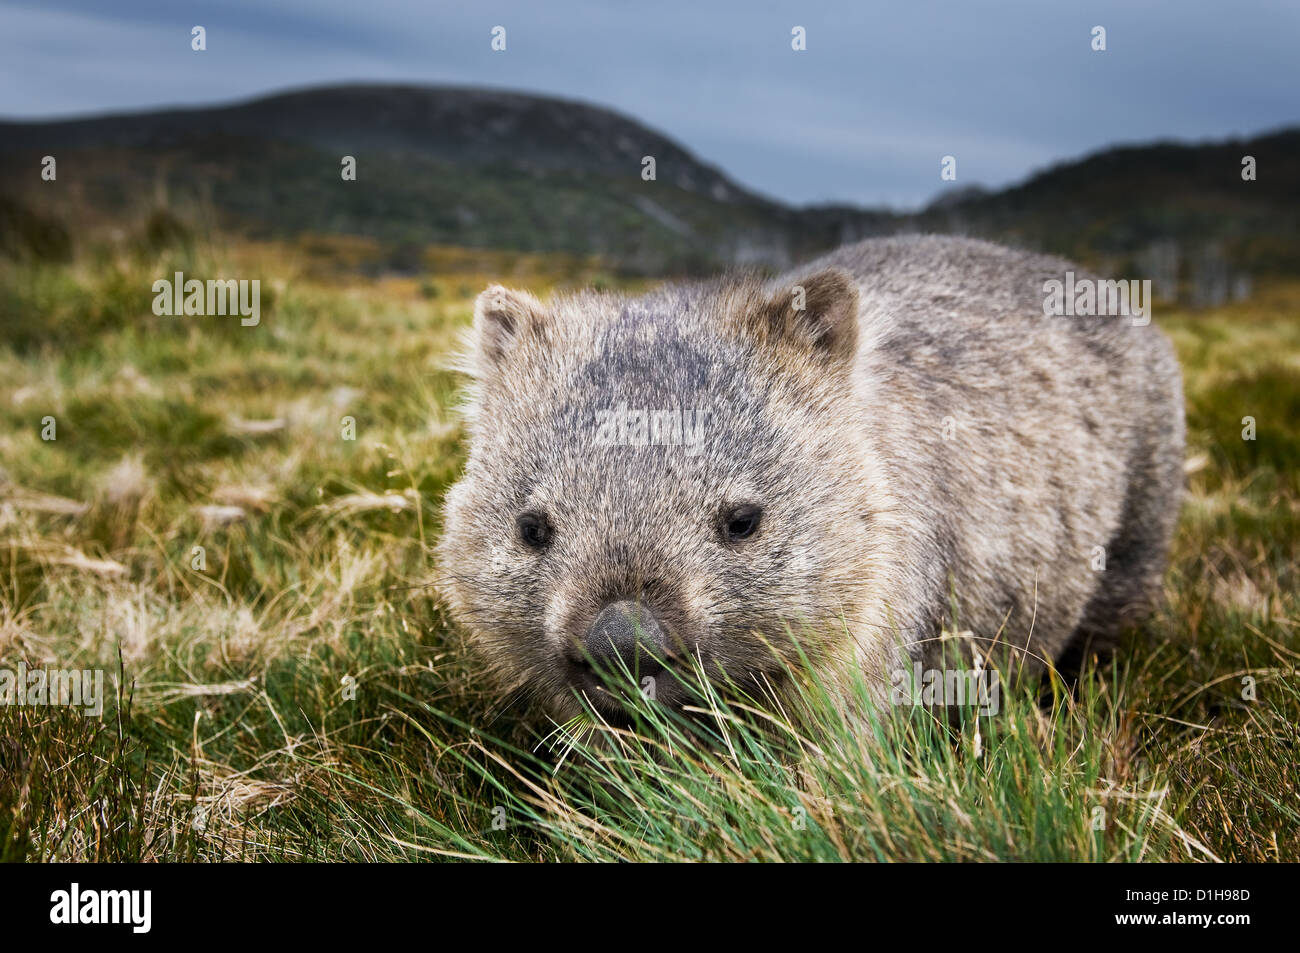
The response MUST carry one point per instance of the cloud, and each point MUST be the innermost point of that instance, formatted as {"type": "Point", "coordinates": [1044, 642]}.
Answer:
{"type": "Point", "coordinates": [863, 115]}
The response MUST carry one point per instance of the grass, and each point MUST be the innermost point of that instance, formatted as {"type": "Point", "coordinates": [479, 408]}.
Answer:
{"type": "Point", "coordinates": [285, 686]}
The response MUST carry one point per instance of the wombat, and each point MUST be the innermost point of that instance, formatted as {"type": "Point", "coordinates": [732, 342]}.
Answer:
{"type": "Point", "coordinates": [887, 450]}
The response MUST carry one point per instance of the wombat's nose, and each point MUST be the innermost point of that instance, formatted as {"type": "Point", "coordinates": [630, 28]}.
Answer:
{"type": "Point", "coordinates": [626, 634]}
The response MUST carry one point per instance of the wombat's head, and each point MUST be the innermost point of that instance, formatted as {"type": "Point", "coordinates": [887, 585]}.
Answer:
{"type": "Point", "coordinates": [656, 480]}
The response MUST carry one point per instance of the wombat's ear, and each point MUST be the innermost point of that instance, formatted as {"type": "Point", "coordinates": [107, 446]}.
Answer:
{"type": "Point", "coordinates": [818, 312]}
{"type": "Point", "coordinates": [501, 318]}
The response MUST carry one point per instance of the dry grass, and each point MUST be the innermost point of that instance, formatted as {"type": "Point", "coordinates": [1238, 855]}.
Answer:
{"type": "Point", "coordinates": [292, 690]}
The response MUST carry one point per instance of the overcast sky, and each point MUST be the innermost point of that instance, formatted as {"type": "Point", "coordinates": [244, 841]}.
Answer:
{"type": "Point", "coordinates": [864, 115]}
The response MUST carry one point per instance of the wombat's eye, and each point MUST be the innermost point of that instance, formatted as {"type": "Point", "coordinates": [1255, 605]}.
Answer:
{"type": "Point", "coordinates": [534, 529]}
{"type": "Point", "coordinates": [741, 522]}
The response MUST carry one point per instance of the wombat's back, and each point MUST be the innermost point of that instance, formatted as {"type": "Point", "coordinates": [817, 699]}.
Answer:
{"type": "Point", "coordinates": [1035, 461]}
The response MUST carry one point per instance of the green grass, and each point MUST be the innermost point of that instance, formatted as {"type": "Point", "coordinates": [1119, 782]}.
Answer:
{"type": "Point", "coordinates": [304, 696]}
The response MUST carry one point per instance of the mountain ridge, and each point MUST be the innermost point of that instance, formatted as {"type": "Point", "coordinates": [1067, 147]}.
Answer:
{"type": "Point", "coordinates": [487, 167]}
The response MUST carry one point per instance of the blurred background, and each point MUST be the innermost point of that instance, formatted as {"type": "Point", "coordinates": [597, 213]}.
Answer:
{"type": "Point", "coordinates": [1127, 157]}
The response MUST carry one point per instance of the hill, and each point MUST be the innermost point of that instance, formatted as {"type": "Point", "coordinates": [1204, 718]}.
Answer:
{"type": "Point", "coordinates": [505, 170]}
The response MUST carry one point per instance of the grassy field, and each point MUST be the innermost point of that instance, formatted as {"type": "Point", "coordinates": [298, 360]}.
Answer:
{"type": "Point", "coordinates": [286, 687]}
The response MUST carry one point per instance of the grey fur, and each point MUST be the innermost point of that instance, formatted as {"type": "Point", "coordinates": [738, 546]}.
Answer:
{"type": "Point", "coordinates": [920, 436]}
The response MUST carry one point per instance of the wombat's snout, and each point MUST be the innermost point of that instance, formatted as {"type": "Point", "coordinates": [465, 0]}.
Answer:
{"type": "Point", "coordinates": [624, 635]}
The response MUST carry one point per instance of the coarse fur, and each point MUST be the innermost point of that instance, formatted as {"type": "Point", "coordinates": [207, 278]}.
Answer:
{"type": "Point", "coordinates": [931, 454]}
